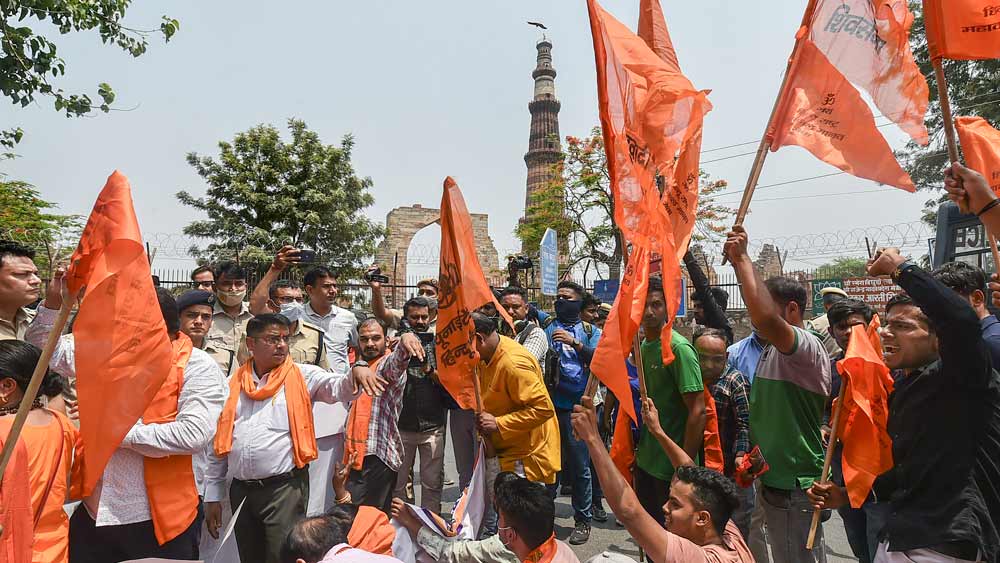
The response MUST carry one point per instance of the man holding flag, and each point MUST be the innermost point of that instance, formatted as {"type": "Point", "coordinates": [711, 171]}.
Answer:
{"type": "Point", "coordinates": [944, 422]}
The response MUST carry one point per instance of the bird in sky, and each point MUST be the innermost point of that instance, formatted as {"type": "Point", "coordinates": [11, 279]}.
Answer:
{"type": "Point", "coordinates": [538, 24]}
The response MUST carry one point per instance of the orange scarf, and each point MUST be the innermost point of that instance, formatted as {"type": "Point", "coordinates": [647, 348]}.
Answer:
{"type": "Point", "coordinates": [545, 553]}
{"type": "Point", "coordinates": [300, 418]}
{"type": "Point", "coordinates": [170, 485]}
{"type": "Point", "coordinates": [371, 531]}
{"type": "Point", "coordinates": [714, 458]}
{"type": "Point", "coordinates": [358, 424]}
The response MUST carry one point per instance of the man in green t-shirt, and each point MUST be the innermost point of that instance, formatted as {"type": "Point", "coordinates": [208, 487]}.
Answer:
{"type": "Point", "coordinates": [677, 392]}
{"type": "Point", "coordinates": [787, 397]}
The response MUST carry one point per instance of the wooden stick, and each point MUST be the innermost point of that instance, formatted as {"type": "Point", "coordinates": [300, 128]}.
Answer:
{"type": "Point", "coordinates": [475, 385]}
{"type": "Point", "coordinates": [869, 247]}
{"type": "Point", "coordinates": [952, 141]}
{"type": "Point", "coordinates": [637, 352]}
{"type": "Point", "coordinates": [36, 382]}
{"type": "Point", "coordinates": [824, 476]}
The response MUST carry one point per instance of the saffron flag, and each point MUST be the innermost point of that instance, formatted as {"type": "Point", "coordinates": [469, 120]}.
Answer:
{"type": "Point", "coordinates": [463, 290]}
{"type": "Point", "coordinates": [865, 412]}
{"type": "Point", "coordinates": [822, 112]}
{"type": "Point", "coordinates": [680, 195]}
{"type": "Point", "coordinates": [963, 29]}
{"type": "Point", "coordinates": [622, 445]}
{"type": "Point", "coordinates": [123, 353]}
{"type": "Point", "coordinates": [869, 43]}
{"type": "Point", "coordinates": [981, 145]}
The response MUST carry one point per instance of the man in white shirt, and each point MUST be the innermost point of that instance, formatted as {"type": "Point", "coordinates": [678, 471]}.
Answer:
{"type": "Point", "coordinates": [340, 333]}
{"type": "Point", "coordinates": [268, 453]}
{"type": "Point", "coordinates": [115, 523]}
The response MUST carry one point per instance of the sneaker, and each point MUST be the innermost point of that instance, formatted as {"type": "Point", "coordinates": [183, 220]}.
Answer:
{"type": "Point", "coordinates": [581, 534]}
{"type": "Point", "coordinates": [600, 515]}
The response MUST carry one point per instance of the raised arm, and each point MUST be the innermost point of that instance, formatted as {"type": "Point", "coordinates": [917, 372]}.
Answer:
{"type": "Point", "coordinates": [678, 456]}
{"type": "Point", "coordinates": [63, 359]}
{"type": "Point", "coordinates": [764, 312]}
{"type": "Point", "coordinates": [261, 292]}
{"type": "Point", "coordinates": [973, 194]}
{"type": "Point", "coordinates": [715, 317]}
{"type": "Point", "coordinates": [379, 309]}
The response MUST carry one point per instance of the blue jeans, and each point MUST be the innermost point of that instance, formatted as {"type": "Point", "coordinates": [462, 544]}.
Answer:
{"type": "Point", "coordinates": [575, 466]}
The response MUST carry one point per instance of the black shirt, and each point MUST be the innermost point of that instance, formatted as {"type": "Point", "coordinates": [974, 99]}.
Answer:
{"type": "Point", "coordinates": [944, 421]}
{"type": "Point", "coordinates": [423, 405]}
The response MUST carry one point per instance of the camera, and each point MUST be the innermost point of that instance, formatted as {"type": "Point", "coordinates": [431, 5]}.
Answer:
{"type": "Point", "coordinates": [520, 263]}
{"type": "Point", "coordinates": [306, 256]}
{"type": "Point", "coordinates": [375, 275]}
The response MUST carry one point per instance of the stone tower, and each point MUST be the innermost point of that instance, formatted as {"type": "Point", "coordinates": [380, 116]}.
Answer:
{"type": "Point", "coordinates": [544, 146]}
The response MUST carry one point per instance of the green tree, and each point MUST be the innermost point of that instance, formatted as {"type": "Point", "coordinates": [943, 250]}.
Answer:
{"type": "Point", "coordinates": [974, 90]}
{"type": "Point", "coordinates": [29, 61]}
{"type": "Point", "coordinates": [28, 219]}
{"type": "Point", "coordinates": [263, 192]}
{"type": "Point", "coordinates": [843, 267]}
{"type": "Point", "coordinates": [578, 205]}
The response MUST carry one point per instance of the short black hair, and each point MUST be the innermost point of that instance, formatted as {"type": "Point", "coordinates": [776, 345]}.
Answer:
{"type": "Point", "coordinates": [315, 274]}
{"type": "Point", "coordinates": [572, 285]}
{"type": "Point", "coordinates": [416, 302]}
{"type": "Point", "coordinates": [655, 284]}
{"type": "Point", "coordinates": [231, 270]}
{"type": "Point", "coordinates": [371, 321]}
{"type": "Point", "coordinates": [257, 325]}
{"type": "Point", "coordinates": [200, 269]}
{"type": "Point", "coordinates": [514, 290]}
{"type": "Point", "coordinates": [846, 307]}
{"type": "Point", "coordinates": [18, 360]}
{"type": "Point", "coordinates": [589, 300]}
{"type": "Point", "coordinates": [528, 508]}
{"type": "Point", "coordinates": [272, 290]}
{"type": "Point", "coordinates": [713, 492]}
{"type": "Point", "coordinates": [484, 325]}
{"type": "Point", "coordinates": [786, 290]}
{"type": "Point", "coordinates": [11, 248]}
{"type": "Point", "coordinates": [830, 298]}
{"type": "Point", "coordinates": [961, 277]}
{"type": "Point", "coordinates": [712, 332]}
{"type": "Point", "coordinates": [168, 308]}
{"type": "Point", "coordinates": [311, 538]}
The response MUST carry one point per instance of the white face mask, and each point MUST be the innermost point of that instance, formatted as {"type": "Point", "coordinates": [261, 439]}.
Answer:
{"type": "Point", "coordinates": [231, 298]}
{"type": "Point", "coordinates": [292, 311]}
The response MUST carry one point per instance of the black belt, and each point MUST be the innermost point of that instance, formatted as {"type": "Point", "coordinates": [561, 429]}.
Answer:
{"type": "Point", "coordinates": [275, 479]}
{"type": "Point", "coordinates": [958, 549]}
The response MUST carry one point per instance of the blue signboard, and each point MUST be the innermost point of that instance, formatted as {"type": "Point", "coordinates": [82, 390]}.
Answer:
{"type": "Point", "coordinates": [549, 254]}
{"type": "Point", "coordinates": [607, 290]}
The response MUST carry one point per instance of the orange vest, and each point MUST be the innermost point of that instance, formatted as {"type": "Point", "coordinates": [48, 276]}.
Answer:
{"type": "Point", "coordinates": [170, 485]}
{"type": "Point", "coordinates": [358, 423]}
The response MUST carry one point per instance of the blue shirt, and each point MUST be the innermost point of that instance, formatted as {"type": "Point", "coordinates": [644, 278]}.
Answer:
{"type": "Point", "coordinates": [991, 336]}
{"type": "Point", "coordinates": [574, 367]}
{"type": "Point", "coordinates": [744, 355]}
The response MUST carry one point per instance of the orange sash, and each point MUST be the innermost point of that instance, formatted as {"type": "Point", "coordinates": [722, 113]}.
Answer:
{"type": "Point", "coordinates": [358, 424]}
{"type": "Point", "coordinates": [15, 504]}
{"type": "Point", "coordinates": [170, 486]}
{"type": "Point", "coordinates": [713, 446]}
{"type": "Point", "coordinates": [300, 418]}
{"type": "Point", "coordinates": [545, 553]}
{"type": "Point", "coordinates": [371, 531]}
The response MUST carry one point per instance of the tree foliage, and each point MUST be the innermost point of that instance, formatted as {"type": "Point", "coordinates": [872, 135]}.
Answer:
{"type": "Point", "coordinates": [29, 60]}
{"type": "Point", "coordinates": [263, 192]}
{"type": "Point", "coordinates": [974, 90]}
{"type": "Point", "coordinates": [577, 203]}
{"type": "Point", "coordinates": [843, 267]}
{"type": "Point", "coordinates": [27, 218]}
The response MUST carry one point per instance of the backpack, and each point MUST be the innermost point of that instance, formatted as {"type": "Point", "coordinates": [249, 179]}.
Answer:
{"type": "Point", "coordinates": [550, 368]}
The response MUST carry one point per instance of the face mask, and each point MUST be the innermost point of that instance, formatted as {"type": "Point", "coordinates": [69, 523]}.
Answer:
{"type": "Point", "coordinates": [231, 298]}
{"type": "Point", "coordinates": [568, 312]}
{"type": "Point", "coordinates": [292, 311]}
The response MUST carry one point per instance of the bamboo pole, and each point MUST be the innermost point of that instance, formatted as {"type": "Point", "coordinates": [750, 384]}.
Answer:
{"type": "Point", "coordinates": [824, 477]}
{"type": "Point", "coordinates": [952, 141]}
{"type": "Point", "coordinates": [36, 382]}
{"type": "Point", "coordinates": [475, 386]}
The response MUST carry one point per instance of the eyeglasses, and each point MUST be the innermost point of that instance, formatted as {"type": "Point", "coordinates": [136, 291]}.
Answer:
{"type": "Point", "coordinates": [286, 300]}
{"type": "Point", "coordinates": [273, 340]}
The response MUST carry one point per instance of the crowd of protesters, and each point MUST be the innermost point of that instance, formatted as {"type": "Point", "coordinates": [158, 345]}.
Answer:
{"type": "Point", "coordinates": [325, 430]}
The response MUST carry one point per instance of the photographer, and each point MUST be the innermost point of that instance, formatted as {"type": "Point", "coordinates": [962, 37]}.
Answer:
{"type": "Point", "coordinates": [392, 318]}
{"type": "Point", "coordinates": [424, 412]}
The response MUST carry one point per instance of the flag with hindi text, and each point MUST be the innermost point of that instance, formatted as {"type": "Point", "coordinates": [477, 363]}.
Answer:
{"type": "Point", "coordinates": [963, 29]}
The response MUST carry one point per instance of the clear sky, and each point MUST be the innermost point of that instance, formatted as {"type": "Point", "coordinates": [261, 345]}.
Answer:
{"type": "Point", "coordinates": [428, 89]}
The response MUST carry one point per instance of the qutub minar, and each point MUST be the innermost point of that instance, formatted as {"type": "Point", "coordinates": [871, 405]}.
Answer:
{"type": "Point", "coordinates": [544, 146]}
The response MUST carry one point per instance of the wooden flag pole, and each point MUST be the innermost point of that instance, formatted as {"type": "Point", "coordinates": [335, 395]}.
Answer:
{"type": "Point", "coordinates": [475, 385]}
{"type": "Point", "coordinates": [824, 477]}
{"type": "Point", "coordinates": [952, 141]}
{"type": "Point", "coordinates": [637, 352]}
{"type": "Point", "coordinates": [36, 382]}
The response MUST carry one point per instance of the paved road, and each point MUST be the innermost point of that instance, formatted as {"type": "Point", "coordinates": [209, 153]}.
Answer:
{"type": "Point", "coordinates": [609, 537]}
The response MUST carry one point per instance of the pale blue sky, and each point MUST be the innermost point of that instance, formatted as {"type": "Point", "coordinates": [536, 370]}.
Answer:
{"type": "Point", "coordinates": [428, 89]}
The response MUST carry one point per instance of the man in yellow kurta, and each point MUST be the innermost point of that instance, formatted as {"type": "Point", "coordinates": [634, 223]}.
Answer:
{"type": "Point", "coordinates": [518, 415]}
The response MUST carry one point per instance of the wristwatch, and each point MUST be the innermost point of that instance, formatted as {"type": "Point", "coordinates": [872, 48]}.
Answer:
{"type": "Point", "coordinates": [359, 364]}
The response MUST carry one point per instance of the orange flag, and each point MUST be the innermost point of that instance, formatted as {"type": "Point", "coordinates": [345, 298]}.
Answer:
{"type": "Point", "coordinates": [869, 43]}
{"type": "Point", "coordinates": [865, 412]}
{"type": "Point", "coordinates": [823, 113]}
{"type": "Point", "coordinates": [680, 196]}
{"type": "Point", "coordinates": [622, 446]}
{"type": "Point", "coordinates": [963, 29]}
{"type": "Point", "coordinates": [123, 353]}
{"type": "Point", "coordinates": [981, 145]}
{"type": "Point", "coordinates": [463, 290]}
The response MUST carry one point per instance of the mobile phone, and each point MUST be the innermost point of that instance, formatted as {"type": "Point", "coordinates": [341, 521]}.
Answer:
{"type": "Point", "coordinates": [307, 256]}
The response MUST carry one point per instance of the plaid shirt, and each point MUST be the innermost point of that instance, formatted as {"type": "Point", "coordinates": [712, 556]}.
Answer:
{"type": "Point", "coordinates": [383, 431]}
{"type": "Point", "coordinates": [731, 393]}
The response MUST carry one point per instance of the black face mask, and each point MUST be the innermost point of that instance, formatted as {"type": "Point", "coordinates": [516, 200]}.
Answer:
{"type": "Point", "coordinates": [567, 311]}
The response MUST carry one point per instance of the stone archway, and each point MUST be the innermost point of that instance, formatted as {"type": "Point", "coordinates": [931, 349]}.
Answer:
{"type": "Point", "coordinates": [402, 223]}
